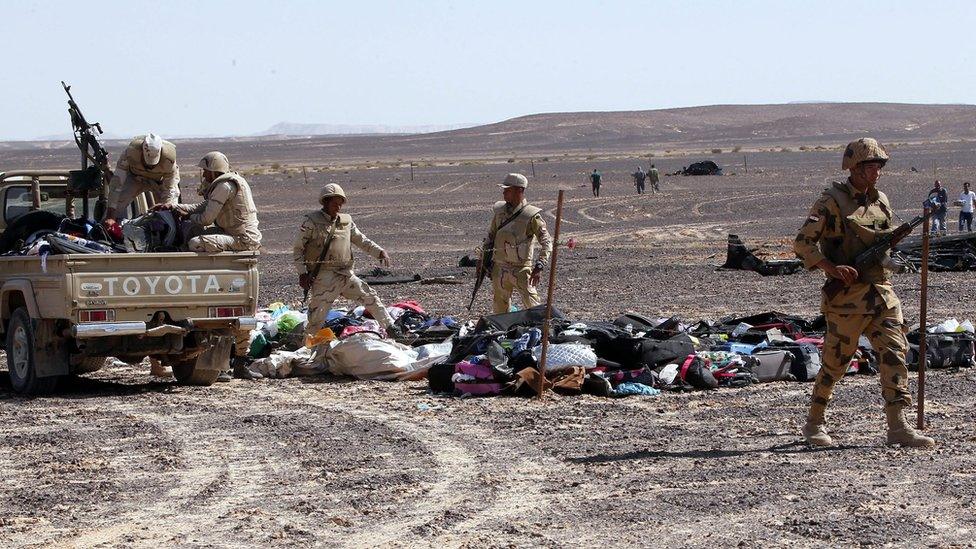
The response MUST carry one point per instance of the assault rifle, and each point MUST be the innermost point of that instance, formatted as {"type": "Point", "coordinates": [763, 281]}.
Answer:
{"type": "Point", "coordinates": [314, 273]}
{"type": "Point", "coordinates": [484, 267]}
{"type": "Point", "coordinates": [878, 251]}
{"type": "Point", "coordinates": [94, 177]}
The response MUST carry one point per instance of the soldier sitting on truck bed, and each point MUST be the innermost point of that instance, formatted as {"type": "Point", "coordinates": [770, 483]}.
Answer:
{"type": "Point", "coordinates": [147, 164]}
{"type": "Point", "coordinates": [227, 219]}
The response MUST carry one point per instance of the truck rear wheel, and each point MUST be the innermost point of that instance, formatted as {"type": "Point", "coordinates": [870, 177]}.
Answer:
{"type": "Point", "coordinates": [186, 373]}
{"type": "Point", "coordinates": [20, 357]}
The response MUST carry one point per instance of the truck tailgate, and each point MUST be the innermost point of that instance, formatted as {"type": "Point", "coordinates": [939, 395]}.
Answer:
{"type": "Point", "coordinates": [163, 280]}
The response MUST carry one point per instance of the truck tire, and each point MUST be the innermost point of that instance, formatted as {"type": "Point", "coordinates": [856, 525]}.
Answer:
{"type": "Point", "coordinates": [186, 373]}
{"type": "Point", "coordinates": [20, 357]}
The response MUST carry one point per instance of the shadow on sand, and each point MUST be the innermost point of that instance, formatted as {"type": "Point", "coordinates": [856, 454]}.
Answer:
{"type": "Point", "coordinates": [797, 447]}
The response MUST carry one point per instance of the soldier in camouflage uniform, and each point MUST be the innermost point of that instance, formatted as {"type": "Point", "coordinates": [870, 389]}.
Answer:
{"type": "Point", "coordinates": [147, 164]}
{"type": "Point", "coordinates": [844, 221]}
{"type": "Point", "coordinates": [514, 268]}
{"type": "Point", "coordinates": [227, 219]}
{"type": "Point", "coordinates": [335, 276]}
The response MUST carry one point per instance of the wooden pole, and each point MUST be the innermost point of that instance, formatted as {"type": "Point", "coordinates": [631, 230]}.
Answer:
{"type": "Point", "coordinates": [533, 167]}
{"type": "Point", "coordinates": [745, 162]}
{"type": "Point", "coordinates": [922, 321]}
{"type": "Point", "coordinates": [549, 292]}
{"type": "Point", "coordinates": [305, 173]}
{"type": "Point", "coordinates": [411, 171]}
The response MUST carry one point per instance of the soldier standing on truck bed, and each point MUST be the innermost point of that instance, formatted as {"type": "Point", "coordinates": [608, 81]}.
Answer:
{"type": "Point", "coordinates": [147, 164]}
{"type": "Point", "coordinates": [227, 219]}
{"type": "Point", "coordinates": [323, 257]}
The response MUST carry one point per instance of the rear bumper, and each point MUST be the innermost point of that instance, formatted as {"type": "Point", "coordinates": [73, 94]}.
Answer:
{"type": "Point", "coordinates": [111, 329]}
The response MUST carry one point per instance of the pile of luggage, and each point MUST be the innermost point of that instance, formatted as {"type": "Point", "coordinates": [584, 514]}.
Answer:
{"type": "Point", "coordinates": [42, 233]}
{"type": "Point", "coordinates": [637, 355]}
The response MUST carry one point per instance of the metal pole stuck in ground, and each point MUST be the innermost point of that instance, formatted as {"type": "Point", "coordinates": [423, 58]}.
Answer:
{"type": "Point", "coordinates": [552, 286]}
{"type": "Point", "coordinates": [922, 320]}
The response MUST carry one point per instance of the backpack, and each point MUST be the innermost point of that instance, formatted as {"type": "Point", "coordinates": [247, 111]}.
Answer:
{"type": "Point", "coordinates": [952, 350]}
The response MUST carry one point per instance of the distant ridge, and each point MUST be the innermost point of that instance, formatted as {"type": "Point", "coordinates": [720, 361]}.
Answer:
{"type": "Point", "coordinates": [719, 126]}
{"type": "Point", "coordinates": [293, 129]}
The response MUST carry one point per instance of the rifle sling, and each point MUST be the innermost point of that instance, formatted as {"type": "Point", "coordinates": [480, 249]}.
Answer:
{"type": "Point", "coordinates": [325, 249]}
{"type": "Point", "coordinates": [514, 216]}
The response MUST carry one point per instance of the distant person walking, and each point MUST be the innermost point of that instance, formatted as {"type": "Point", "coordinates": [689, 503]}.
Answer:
{"type": "Point", "coordinates": [595, 178]}
{"type": "Point", "coordinates": [967, 200]}
{"type": "Point", "coordinates": [655, 178]}
{"type": "Point", "coordinates": [938, 196]}
{"type": "Point", "coordinates": [639, 178]}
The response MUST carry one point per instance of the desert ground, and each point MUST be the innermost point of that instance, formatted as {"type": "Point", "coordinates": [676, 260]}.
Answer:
{"type": "Point", "coordinates": [117, 459]}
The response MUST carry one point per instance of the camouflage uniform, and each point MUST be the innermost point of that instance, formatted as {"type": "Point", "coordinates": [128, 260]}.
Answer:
{"type": "Point", "coordinates": [132, 177]}
{"type": "Point", "coordinates": [226, 221]}
{"type": "Point", "coordinates": [655, 177]}
{"type": "Point", "coordinates": [844, 223]}
{"type": "Point", "coordinates": [335, 277]}
{"type": "Point", "coordinates": [513, 253]}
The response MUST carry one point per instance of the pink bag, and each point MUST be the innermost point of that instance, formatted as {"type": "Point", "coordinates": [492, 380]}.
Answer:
{"type": "Point", "coordinates": [477, 388]}
{"type": "Point", "coordinates": [480, 371]}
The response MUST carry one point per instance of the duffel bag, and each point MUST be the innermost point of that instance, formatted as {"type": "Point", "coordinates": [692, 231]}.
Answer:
{"type": "Point", "coordinates": [954, 350]}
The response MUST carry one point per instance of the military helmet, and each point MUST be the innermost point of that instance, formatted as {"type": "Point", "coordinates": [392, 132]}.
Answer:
{"type": "Point", "coordinates": [215, 162]}
{"type": "Point", "coordinates": [866, 149]}
{"type": "Point", "coordinates": [515, 180]}
{"type": "Point", "coordinates": [330, 190]}
{"type": "Point", "coordinates": [152, 148]}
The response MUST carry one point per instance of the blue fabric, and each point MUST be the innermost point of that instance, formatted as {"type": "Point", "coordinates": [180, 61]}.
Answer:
{"type": "Point", "coordinates": [528, 341]}
{"type": "Point", "coordinates": [334, 314]}
{"type": "Point", "coordinates": [631, 388]}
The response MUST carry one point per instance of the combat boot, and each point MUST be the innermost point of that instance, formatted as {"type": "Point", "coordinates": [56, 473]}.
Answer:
{"type": "Point", "coordinates": [815, 429]}
{"type": "Point", "coordinates": [242, 370]}
{"type": "Point", "coordinates": [156, 369]}
{"type": "Point", "coordinates": [901, 432]}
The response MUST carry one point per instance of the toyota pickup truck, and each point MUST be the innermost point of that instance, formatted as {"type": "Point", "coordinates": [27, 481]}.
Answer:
{"type": "Point", "coordinates": [63, 314]}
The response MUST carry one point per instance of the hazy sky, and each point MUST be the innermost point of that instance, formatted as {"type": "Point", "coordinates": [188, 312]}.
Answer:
{"type": "Point", "coordinates": [238, 67]}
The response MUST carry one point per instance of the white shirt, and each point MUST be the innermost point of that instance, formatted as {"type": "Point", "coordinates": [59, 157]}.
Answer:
{"type": "Point", "coordinates": [967, 201]}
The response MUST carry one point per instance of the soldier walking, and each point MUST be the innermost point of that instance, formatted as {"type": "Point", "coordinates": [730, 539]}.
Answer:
{"type": "Point", "coordinates": [595, 180]}
{"type": "Point", "coordinates": [640, 177]}
{"type": "Point", "coordinates": [845, 220]}
{"type": "Point", "coordinates": [515, 228]}
{"type": "Point", "coordinates": [654, 177]}
{"type": "Point", "coordinates": [323, 257]}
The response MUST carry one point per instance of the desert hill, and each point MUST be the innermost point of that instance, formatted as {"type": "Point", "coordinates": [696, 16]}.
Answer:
{"type": "Point", "coordinates": [725, 126]}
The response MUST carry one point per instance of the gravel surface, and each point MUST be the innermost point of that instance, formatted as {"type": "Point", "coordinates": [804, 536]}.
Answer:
{"type": "Point", "coordinates": [115, 459]}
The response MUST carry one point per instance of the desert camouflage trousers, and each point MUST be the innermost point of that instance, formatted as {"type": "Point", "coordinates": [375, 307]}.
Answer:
{"type": "Point", "coordinates": [214, 240]}
{"type": "Point", "coordinates": [507, 278]}
{"type": "Point", "coordinates": [328, 286]}
{"type": "Point", "coordinates": [884, 331]}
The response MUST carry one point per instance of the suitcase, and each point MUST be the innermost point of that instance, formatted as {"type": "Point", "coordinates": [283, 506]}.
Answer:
{"type": "Point", "coordinates": [806, 359]}
{"type": "Point", "coordinates": [773, 365]}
